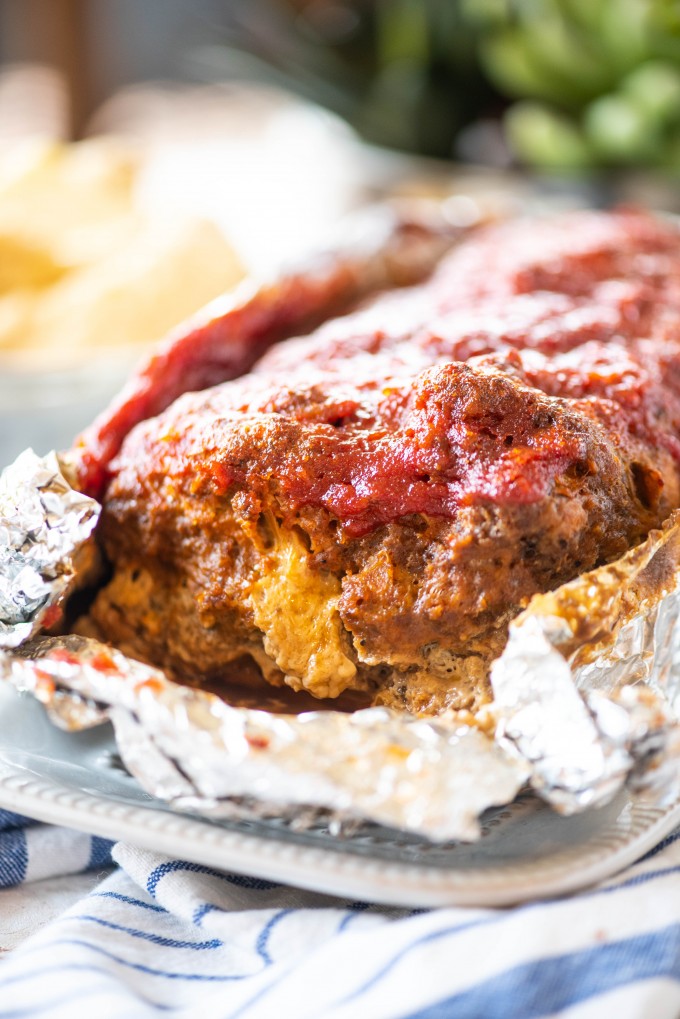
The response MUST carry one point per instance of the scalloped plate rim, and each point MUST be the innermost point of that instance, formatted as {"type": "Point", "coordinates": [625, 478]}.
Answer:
{"type": "Point", "coordinates": [331, 871]}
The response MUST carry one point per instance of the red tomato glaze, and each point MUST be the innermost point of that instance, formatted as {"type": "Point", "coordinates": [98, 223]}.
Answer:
{"type": "Point", "coordinates": [481, 385]}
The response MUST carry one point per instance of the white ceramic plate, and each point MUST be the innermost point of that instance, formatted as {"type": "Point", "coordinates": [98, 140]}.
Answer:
{"type": "Point", "coordinates": [526, 850]}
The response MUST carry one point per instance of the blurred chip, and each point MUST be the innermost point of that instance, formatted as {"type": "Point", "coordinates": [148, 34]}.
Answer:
{"type": "Point", "coordinates": [81, 267]}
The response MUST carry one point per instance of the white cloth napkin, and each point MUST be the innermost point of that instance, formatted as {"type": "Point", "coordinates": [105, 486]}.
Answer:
{"type": "Point", "coordinates": [162, 936]}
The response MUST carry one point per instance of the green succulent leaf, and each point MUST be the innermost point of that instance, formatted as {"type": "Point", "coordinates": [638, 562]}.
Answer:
{"type": "Point", "coordinates": [547, 139]}
{"type": "Point", "coordinates": [619, 131]}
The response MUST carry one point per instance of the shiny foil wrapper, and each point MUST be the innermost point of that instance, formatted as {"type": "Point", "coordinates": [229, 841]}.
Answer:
{"type": "Point", "coordinates": [44, 530]}
{"type": "Point", "coordinates": [588, 687]}
{"type": "Point", "coordinates": [587, 697]}
{"type": "Point", "coordinates": [192, 749]}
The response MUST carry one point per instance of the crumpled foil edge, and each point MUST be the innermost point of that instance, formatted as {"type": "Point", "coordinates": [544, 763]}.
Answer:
{"type": "Point", "coordinates": [198, 753]}
{"type": "Point", "coordinates": [588, 687]}
{"type": "Point", "coordinates": [44, 530]}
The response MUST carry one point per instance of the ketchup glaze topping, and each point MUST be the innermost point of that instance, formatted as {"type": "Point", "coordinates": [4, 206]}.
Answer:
{"type": "Point", "coordinates": [532, 343]}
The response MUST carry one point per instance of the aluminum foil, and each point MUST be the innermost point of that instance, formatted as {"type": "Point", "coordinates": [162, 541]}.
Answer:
{"type": "Point", "coordinates": [44, 528]}
{"type": "Point", "coordinates": [190, 748]}
{"type": "Point", "coordinates": [588, 688]}
{"type": "Point", "coordinates": [586, 697]}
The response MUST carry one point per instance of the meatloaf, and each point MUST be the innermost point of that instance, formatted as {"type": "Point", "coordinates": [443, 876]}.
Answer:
{"type": "Point", "coordinates": [369, 507]}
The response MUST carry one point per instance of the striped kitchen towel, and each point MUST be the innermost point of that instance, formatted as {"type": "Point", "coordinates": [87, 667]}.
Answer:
{"type": "Point", "coordinates": [30, 851]}
{"type": "Point", "coordinates": [166, 937]}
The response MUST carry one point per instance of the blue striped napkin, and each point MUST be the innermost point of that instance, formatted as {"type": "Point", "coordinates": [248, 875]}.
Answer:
{"type": "Point", "coordinates": [31, 851]}
{"type": "Point", "coordinates": [162, 936]}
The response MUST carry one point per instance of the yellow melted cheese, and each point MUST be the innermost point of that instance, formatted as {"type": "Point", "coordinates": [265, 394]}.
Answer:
{"type": "Point", "coordinates": [296, 608]}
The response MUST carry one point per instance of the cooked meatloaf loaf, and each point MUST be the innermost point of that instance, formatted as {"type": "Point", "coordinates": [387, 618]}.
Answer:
{"type": "Point", "coordinates": [370, 506]}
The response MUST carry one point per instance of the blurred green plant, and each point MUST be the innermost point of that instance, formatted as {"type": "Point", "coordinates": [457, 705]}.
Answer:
{"type": "Point", "coordinates": [597, 81]}
{"type": "Point", "coordinates": [404, 73]}
{"type": "Point", "coordinates": [577, 84]}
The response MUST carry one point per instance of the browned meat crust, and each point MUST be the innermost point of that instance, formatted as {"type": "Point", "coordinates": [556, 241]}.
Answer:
{"type": "Point", "coordinates": [216, 555]}
{"type": "Point", "coordinates": [226, 339]}
{"type": "Point", "coordinates": [353, 519]}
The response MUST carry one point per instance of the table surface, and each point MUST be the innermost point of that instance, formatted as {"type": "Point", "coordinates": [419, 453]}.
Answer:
{"type": "Point", "coordinates": [27, 908]}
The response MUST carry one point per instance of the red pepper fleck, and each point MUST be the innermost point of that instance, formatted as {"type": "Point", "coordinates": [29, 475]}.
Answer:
{"type": "Point", "coordinates": [60, 654]}
{"type": "Point", "coordinates": [102, 662]}
{"type": "Point", "coordinates": [257, 742]}
{"type": "Point", "coordinates": [154, 685]}
{"type": "Point", "coordinates": [51, 616]}
{"type": "Point", "coordinates": [45, 680]}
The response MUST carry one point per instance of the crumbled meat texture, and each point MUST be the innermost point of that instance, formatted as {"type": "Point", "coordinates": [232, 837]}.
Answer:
{"type": "Point", "coordinates": [370, 507]}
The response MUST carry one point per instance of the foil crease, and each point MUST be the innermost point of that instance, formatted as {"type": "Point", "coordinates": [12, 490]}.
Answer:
{"type": "Point", "coordinates": [44, 524]}
{"type": "Point", "coordinates": [190, 748]}
{"type": "Point", "coordinates": [587, 689]}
